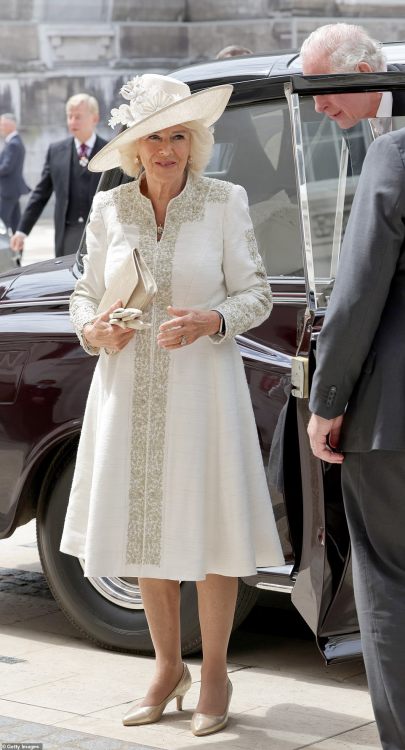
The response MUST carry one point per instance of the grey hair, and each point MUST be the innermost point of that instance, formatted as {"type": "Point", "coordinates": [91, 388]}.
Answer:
{"type": "Point", "coordinates": [78, 99]}
{"type": "Point", "coordinates": [202, 143]}
{"type": "Point", "coordinates": [344, 46]}
{"type": "Point", "coordinates": [9, 116]}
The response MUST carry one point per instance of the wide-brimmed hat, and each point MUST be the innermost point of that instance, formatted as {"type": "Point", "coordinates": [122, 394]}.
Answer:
{"type": "Point", "coordinates": [156, 102]}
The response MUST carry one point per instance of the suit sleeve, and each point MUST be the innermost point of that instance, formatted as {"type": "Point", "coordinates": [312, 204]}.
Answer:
{"type": "Point", "coordinates": [249, 300]}
{"type": "Point", "coordinates": [371, 248]}
{"type": "Point", "coordinates": [39, 197]}
{"type": "Point", "coordinates": [8, 159]}
{"type": "Point", "coordinates": [90, 287]}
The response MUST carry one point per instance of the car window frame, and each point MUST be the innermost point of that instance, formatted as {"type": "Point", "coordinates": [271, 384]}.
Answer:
{"type": "Point", "coordinates": [298, 89]}
{"type": "Point", "coordinates": [263, 93]}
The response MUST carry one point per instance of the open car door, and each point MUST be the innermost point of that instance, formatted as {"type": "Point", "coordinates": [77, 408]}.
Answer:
{"type": "Point", "coordinates": [328, 164]}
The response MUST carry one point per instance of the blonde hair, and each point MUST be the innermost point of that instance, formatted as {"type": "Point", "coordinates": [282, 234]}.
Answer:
{"type": "Point", "coordinates": [78, 99]}
{"type": "Point", "coordinates": [201, 145]}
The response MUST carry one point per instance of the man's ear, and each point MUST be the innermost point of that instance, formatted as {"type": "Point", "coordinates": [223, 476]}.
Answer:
{"type": "Point", "coordinates": [364, 67]}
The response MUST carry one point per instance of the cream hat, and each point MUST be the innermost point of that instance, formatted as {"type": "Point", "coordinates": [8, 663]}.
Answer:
{"type": "Point", "coordinates": [156, 102]}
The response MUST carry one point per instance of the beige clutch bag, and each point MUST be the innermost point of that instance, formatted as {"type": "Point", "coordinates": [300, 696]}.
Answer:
{"type": "Point", "coordinates": [134, 284]}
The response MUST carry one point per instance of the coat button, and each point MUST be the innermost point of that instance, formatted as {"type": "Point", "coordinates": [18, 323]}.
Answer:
{"type": "Point", "coordinates": [331, 395]}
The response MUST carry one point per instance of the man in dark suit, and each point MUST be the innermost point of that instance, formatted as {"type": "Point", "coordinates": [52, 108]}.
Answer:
{"type": "Point", "coordinates": [358, 405]}
{"type": "Point", "coordinates": [65, 173]}
{"type": "Point", "coordinates": [12, 183]}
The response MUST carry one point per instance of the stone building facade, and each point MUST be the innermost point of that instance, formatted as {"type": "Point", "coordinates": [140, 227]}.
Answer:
{"type": "Point", "coordinates": [50, 49]}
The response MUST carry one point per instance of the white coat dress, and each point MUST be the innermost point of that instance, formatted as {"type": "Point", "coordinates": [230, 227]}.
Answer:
{"type": "Point", "coordinates": [169, 479]}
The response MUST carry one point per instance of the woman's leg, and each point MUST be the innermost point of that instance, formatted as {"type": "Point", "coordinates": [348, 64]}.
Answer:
{"type": "Point", "coordinates": [216, 607]}
{"type": "Point", "coordinates": [161, 600]}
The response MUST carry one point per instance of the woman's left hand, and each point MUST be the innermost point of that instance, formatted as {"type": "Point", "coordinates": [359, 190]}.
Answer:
{"type": "Point", "coordinates": [186, 326]}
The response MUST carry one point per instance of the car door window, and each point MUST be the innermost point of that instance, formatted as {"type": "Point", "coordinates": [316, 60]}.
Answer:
{"type": "Point", "coordinates": [253, 148]}
{"type": "Point", "coordinates": [328, 164]}
{"type": "Point", "coordinates": [331, 185]}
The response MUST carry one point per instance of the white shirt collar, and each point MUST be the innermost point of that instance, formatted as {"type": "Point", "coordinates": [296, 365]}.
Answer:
{"type": "Point", "coordinates": [382, 122]}
{"type": "Point", "coordinates": [10, 136]}
{"type": "Point", "coordinates": [90, 142]}
{"type": "Point", "coordinates": [385, 108]}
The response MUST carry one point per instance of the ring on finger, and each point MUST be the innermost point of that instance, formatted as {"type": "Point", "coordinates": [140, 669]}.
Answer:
{"type": "Point", "coordinates": [183, 341]}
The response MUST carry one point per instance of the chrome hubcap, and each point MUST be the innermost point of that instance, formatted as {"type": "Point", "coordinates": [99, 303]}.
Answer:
{"type": "Point", "coordinates": [124, 592]}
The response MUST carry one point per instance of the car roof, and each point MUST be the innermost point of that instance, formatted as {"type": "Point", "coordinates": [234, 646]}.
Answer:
{"type": "Point", "coordinates": [243, 68]}
{"type": "Point", "coordinates": [259, 67]}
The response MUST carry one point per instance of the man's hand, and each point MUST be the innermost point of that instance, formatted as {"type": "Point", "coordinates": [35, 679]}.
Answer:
{"type": "Point", "coordinates": [324, 437]}
{"type": "Point", "coordinates": [17, 242]}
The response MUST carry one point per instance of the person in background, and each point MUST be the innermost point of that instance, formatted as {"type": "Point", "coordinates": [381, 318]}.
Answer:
{"type": "Point", "coordinates": [12, 183]}
{"type": "Point", "coordinates": [65, 173]}
{"type": "Point", "coordinates": [233, 51]}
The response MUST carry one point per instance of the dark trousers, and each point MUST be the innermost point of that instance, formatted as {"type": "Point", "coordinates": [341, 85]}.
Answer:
{"type": "Point", "coordinates": [10, 212]}
{"type": "Point", "coordinates": [71, 238]}
{"type": "Point", "coordinates": [374, 495]}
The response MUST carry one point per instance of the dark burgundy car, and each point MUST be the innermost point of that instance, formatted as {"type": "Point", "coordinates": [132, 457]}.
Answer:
{"type": "Point", "coordinates": [296, 168]}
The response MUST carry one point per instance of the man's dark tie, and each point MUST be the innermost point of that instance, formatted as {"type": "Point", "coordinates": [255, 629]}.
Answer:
{"type": "Point", "coordinates": [83, 151]}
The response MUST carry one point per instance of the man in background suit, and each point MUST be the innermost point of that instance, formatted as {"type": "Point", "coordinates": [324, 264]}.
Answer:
{"type": "Point", "coordinates": [358, 420]}
{"type": "Point", "coordinates": [12, 183]}
{"type": "Point", "coordinates": [65, 173]}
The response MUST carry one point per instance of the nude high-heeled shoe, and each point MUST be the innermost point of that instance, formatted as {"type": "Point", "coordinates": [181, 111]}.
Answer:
{"type": "Point", "coordinates": [150, 714]}
{"type": "Point", "coordinates": [202, 724]}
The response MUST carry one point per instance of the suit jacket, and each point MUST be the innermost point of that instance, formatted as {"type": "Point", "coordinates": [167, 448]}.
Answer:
{"type": "Point", "coordinates": [361, 350]}
{"type": "Point", "coordinates": [12, 183]}
{"type": "Point", "coordinates": [55, 178]}
{"type": "Point", "coordinates": [398, 97]}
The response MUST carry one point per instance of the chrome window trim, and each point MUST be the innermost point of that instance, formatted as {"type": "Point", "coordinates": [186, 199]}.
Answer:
{"type": "Point", "coordinates": [286, 279]}
{"type": "Point", "coordinates": [284, 300]}
{"type": "Point", "coordinates": [34, 302]}
{"type": "Point", "coordinates": [298, 280]}
{"type": "Point", "coordinates": [305, 224]}
{"type": "Point", "coordinates": [260, 353]}
{"type": "Point", "coordinates": [340, 204]}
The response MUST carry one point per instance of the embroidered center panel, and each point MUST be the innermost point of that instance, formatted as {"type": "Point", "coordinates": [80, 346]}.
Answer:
{"type": "Point", "coordinates": [152, 364]}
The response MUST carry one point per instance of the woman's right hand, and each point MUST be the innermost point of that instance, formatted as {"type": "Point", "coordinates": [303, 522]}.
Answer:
{"type": "Point", "coordinates": [101, 334]}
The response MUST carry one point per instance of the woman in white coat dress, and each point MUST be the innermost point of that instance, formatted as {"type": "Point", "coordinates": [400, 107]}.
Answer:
{"type": "Point", "coordinates": [169, 482]}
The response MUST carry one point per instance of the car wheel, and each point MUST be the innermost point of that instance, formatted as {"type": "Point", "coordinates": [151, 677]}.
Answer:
{"type": "Point", "coordinates": [108, 611]}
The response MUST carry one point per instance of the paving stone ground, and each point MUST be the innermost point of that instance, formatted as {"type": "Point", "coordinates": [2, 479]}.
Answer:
{"type": "Point", "coordinates": [58, 689]}
{"type": "Point", "coordinates": [15, 732]}
{"type": "Point", "coordinates": [31, 583]}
